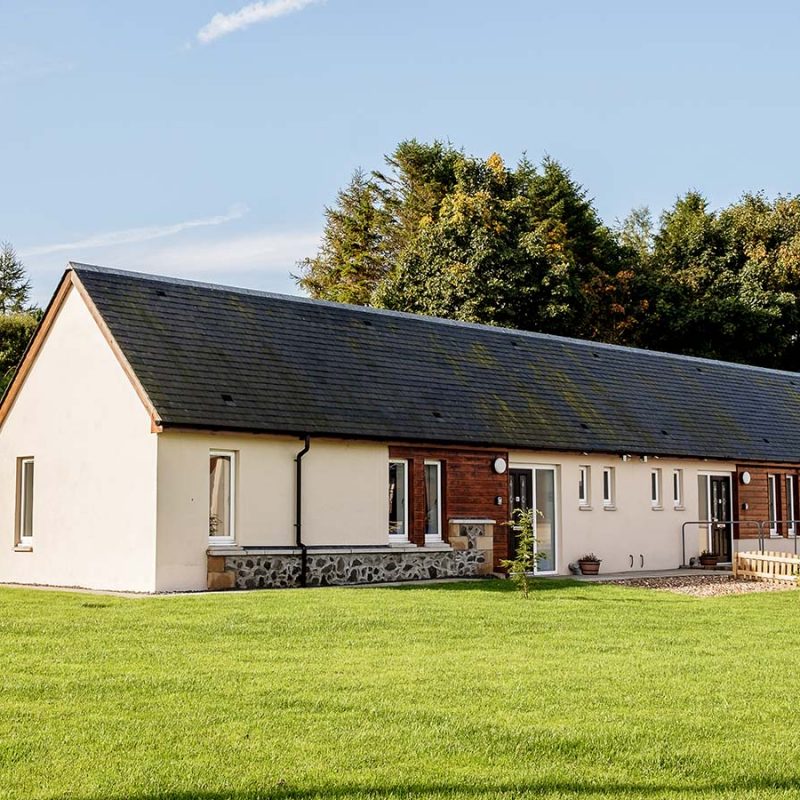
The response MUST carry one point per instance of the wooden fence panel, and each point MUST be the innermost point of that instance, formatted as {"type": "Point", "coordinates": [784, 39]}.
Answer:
{"type": "Point", "coordinates": [769, 566]}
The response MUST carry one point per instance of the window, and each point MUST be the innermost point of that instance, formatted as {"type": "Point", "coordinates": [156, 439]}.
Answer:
{"type": "Point", "coordinates": [677, 488]}
{"type": "Point", "coordinates": [655, 488]}
{"type": "Point", "coordinates": [433, 504]}
{"type": "Point", "coordinates": [25, 501]}
{"type": "Point", "coordinates": [772, 484]}
{"type": "Point", "coordinates": [608, 487]}
{"type": "Point", "coordinates": [583, 486]}
{"type": "Point", "coordinates": [398, 501]}
{"type": "Point", "coordinates": [791, 505]}
{"type": "Point", "coordinates": [222, 497]}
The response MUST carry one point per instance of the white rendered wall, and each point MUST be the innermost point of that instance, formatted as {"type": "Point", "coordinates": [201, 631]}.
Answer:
{"type": "Point", "coordinates": [345, 497]}
{"type": "Point", "coordinates": [78, 415]}
{"type": "Point", "coordinates": [632, 527]}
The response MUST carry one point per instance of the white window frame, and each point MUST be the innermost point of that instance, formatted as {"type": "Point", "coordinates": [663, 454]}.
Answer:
{"type": "Point", "coordinates": [22, 540]}
{"type": "Point", "coordinates": [655, 489]}
{"type": "Point", "coordinates": [608, 497]}
{"type": "Point", "coordinates": [398, 538]}
{"type": "Point", "coordinates": [791, 503]}
{"type": "Point", "coordinates": [440, 536]}
{"type": "Point", "coordinates": [584, 482]}
{"type": "Point", "coordinates": [677, 488]}
{"type": "Point", "coordinates": [227, 541]}
{"type": "Point", "coordinates": [772, 500]}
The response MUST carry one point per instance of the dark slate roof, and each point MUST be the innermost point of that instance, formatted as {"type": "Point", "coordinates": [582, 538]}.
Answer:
{"type": "Point", "coordinates": [292, 365]}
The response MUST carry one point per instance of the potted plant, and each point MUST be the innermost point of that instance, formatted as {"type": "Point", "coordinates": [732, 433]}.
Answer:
{"type": "Point", "coordinates": [589, 564]}
{"type": "Point", "coordinates": [708, 558]}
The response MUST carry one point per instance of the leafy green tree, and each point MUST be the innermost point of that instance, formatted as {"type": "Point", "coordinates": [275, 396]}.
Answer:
{"type": "Point", "coordinates": [726, 284]}
{"type": "Point", "coordinates": [439, 232]}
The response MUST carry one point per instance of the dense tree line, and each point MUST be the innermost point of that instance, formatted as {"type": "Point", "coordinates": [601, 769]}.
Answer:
{"type": "Point", "coordinates": [440, 232]}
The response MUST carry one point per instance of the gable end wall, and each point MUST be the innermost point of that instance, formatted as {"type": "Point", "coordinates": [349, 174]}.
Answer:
{"type": "Point", "coordinates": [77, 414]}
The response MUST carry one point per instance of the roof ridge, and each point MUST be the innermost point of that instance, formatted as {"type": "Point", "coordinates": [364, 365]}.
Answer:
{"type": "Point", "coordinates": [421, 318]}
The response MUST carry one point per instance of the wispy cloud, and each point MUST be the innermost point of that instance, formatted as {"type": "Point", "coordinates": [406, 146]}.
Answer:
{"type": "Point", "coordinates": [264, 252]}
{"type": "Point", "coordinates": [223, 24]}
{"type": "Point", "coordinates": [17, 64]}
{"type": "Point", "coordinates": [135, 235]}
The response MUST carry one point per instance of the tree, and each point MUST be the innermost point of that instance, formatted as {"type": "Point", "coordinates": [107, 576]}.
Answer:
{"type": "Point", "coordinates": [18, 320]}
{"type": "Point", "coordinates": [726, 284]}
{"type": "Point", "coordinates": [442, 233]}
{"type": "Point", "coordinates": [15, 288]}
{"type": "Point", "coordinates": [353, 256]}
{"type": "Point", "coordinates": [16, 331]}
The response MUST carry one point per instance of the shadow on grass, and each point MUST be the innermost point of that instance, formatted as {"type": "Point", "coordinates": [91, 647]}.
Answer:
{"type": "Point", "coordinates": [542, 588]}
{"type": "Point", "coordinates": [485, 585]}
{"type": "Point", "coordinates": [540, 789]}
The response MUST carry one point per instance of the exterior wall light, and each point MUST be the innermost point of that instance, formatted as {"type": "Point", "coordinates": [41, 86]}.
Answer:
{"type": "Point", "coordinates": [745, 477]}
{"type": "Point", "coordinates": [500, 465]}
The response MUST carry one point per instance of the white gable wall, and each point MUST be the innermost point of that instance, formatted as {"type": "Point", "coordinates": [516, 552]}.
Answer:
{"type": "Point", "coordinates": [78, 415]}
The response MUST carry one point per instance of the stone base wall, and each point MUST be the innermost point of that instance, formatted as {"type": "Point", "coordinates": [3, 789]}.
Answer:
{"type": "Point", "coordinates": [468, 555]}
{"type": "Point", "coordinates": [267, 571]}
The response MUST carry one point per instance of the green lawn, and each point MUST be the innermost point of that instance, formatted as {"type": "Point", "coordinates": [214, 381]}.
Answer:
{"type": "Point", "coordinates": [449, 691]}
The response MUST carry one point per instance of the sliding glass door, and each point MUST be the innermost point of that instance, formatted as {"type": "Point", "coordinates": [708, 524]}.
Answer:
{"type": "Point", "coordinates": [535, 487]}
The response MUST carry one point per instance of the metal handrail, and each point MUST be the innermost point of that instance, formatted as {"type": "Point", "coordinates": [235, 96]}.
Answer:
{"type": "Point", "coordinates": [758, 523]}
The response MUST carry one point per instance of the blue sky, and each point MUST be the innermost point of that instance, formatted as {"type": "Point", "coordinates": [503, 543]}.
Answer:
{"type": "Point", "coordinates": [204, 138]}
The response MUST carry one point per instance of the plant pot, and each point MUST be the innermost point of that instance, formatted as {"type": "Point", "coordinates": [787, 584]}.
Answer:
{"type": "Point", "coordinates": [709, 561]}
{"type": "Point", "coordinates": [589, 567]}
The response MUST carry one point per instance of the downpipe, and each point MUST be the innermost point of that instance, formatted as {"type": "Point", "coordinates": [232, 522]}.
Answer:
{"type": "Point", "coordinates": [298, 512]}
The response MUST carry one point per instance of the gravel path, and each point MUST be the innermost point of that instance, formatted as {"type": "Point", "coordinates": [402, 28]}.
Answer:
{"type": "Point", "coordinates": [704, 585]}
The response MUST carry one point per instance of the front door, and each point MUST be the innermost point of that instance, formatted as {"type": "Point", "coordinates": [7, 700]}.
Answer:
{"type": "Point", "coordinates": [719, 505]}
{"type": "Point", "coordinates": [536, 488]}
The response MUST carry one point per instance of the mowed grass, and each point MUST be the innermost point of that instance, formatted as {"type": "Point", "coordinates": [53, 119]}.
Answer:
{"type": "Point", "coordinates": [447, 691]}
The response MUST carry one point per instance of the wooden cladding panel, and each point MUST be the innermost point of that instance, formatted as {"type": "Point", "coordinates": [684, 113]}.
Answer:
{"type": "Point", "coordinates": [756, 496]}
{"type": "Point", "coordinates": [470, 487]}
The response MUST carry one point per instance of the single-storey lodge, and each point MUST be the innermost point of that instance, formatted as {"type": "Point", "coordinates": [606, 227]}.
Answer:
{"type": "Point", "coordinates": [164, 435]}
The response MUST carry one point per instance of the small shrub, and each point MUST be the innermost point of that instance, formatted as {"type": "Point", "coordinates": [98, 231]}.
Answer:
{"type": "Point", "coordinates": [526, 558]}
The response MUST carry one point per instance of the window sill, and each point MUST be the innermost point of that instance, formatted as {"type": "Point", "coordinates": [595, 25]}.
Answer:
{"type": "Point", "coordinates": [23, 548]}
{"type": "Point", "coordinates": [679, 508]}
{"type": "Point", "coordinates": [223, 545]}
{"type": "Point", "coordinates": [584, 508]}
{"type": "Point", "coordinates": [656, 508]}
{"type": "Point", "coordinates": [609, 508]}
{"type": "Point", "coordinates": [399, 543]}
{"type": "Point", "coordinates": [437, 544]}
